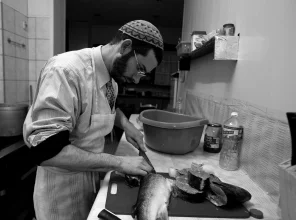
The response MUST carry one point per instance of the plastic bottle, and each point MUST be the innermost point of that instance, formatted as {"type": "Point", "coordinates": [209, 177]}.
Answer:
{"type": "Point", "coordinates": [232, 134]}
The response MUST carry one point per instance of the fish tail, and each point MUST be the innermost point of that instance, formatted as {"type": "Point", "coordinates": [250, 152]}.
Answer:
{"type": "Point", "coordinates": [163, 213]}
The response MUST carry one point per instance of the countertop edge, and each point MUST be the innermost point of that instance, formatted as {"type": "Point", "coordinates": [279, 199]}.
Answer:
{"type": "Point", "coordinates": [13, 147]}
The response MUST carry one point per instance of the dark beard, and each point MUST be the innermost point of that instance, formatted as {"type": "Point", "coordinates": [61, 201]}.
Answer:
{"type": "Point", "coordinates": [119, 67]}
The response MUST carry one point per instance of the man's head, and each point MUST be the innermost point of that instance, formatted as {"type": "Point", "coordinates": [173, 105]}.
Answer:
{"type": "Point", "coordinates": [140, 47]}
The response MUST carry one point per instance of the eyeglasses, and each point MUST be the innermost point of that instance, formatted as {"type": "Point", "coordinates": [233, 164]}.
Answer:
{"type": "Point", "coordinates": [141, 71]}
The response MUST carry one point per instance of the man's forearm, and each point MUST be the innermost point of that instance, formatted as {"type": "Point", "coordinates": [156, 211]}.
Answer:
{"type": "Point", "coordinates": [76, 159]}
{"type": "Point", "coordinates": [120, 119]}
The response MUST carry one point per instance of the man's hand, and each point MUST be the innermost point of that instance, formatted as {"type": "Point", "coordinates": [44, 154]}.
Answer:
{"type": "Point", "coordinates": [133, 165]}
{"type": "Point", "coordinates": [134, 136]}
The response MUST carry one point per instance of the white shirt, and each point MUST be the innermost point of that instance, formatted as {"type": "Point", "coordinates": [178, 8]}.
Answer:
{"type": "Point", "coordinates": [70, 90]}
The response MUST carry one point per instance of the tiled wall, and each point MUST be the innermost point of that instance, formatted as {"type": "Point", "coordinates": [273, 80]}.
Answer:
{"type": "Point", "coordinates": [20, 65]}
{"type": "Point", "coordinates": [1, 60]}
{"type": "Point", "coordinates": [14, 63]}
{"type": "Point", "coordinates": [39, 41]}
{"type": "Point", "coordinates": [266, 137]}
{"type": "Point", "coordinates": [38, 37]}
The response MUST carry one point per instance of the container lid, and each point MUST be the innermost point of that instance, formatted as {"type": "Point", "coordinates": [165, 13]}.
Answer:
{"type": "Point", "coordinates": [234, 114]}
{"type": "Point", "coordinates": [228, 25]}
{"type": "Point", "coordinates": [256, 213]}
{"type": "Point", "coordinates": [199, 32]}
{"type": "Point", "coordinates": [214, 125]}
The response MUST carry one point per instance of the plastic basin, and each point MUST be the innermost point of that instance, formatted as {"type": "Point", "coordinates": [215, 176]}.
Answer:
{"type": "Point", "coordinates": [170, 132]}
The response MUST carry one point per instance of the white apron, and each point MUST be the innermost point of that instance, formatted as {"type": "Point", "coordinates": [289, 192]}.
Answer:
{"type": "Point", "coordinates": [61, 194]}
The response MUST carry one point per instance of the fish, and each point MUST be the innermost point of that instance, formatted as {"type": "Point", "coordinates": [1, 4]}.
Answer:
{"type": "Point", "coordinates": [221, 193]}
{"type": "Point", "coordinates": [153, 198]}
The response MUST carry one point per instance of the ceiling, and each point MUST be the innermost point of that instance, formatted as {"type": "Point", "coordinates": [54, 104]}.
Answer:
{"type": "Point", "coordinates": [162, 13]}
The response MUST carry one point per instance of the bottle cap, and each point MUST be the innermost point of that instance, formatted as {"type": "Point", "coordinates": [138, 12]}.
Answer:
{"type": "Point", "coordinates": [234, 114]}
{"type": "Point", "coordinates": [256, 213]}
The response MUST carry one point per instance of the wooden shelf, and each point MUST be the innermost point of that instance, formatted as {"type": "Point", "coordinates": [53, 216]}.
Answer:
{"type": "Point", "coordinates": [224, 48]}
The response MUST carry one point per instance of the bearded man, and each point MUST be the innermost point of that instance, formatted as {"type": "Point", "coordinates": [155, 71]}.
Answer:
{"type": "Point", "coordinates": [72, 112]}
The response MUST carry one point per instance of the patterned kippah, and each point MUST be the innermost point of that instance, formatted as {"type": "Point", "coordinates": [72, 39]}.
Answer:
{"type": "Point", "coordinates": [144, 31]}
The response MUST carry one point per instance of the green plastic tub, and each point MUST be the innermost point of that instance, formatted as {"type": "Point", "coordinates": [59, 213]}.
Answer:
{"type": "Point", "coordinates": [170, 132]}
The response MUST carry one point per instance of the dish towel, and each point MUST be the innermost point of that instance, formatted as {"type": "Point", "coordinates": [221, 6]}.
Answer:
{"type": "Point", "coordinates": [110, 93]}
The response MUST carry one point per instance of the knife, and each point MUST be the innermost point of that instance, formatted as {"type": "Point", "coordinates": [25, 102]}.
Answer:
{"type": "Point", "coordinates": [143, 154]}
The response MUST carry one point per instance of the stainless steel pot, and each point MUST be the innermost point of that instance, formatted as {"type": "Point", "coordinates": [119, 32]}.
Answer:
{"type": "Point", "coordinates": [12, 117]}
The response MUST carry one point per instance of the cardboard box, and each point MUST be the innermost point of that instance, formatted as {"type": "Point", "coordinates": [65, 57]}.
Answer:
{"type": "Point", "coordinates": [226, 47]}
{"type": "Point", "coordinates": [287, 189]}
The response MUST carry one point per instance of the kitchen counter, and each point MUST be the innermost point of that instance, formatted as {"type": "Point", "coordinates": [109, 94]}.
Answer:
{"type": "Point", "coordinates": [162, 162]}
{"type": "Point", "coordinates": [11, 148]}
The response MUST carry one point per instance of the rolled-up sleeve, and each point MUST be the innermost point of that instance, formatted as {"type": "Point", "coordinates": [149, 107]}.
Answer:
{"type": "Point", "coordinates": [55, 107]}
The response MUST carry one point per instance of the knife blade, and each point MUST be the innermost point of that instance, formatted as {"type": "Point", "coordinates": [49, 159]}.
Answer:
{"type": "Point", "coordinates": [143, 154]}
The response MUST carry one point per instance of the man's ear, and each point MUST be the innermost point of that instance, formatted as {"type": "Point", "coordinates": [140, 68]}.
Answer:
{"type": "Point", "coordinates": [126, 46]}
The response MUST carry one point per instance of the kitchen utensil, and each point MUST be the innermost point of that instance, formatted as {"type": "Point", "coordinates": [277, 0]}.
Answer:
{"type": "Point", "coordinates": [143, 154]}
{"type": "Point", "coordinates": [12, 117]}
{"type": "Point", "coordinates": [120, 205]}
{"type": "Point", "coordinates": [107, 215]}
{"type": "Point", "coordinates": [31, 94]}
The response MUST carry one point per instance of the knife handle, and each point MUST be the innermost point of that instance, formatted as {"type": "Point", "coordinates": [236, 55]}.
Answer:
{"type": "Point", "coordinates": [107, 215]}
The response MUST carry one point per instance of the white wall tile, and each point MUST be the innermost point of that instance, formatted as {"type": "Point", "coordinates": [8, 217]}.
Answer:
{"type": "Point", "coordinates": [31, 27]}
{"type": "Point", "coordinates": [20, 50]}
{"type": "Point", "coordinates": [0, 15]}
{"type": "Point", "coordinates": [39, 65]}
{"type": "Point", "coordinates": [20, 21]}
{"type": "Point", "coordinates": [1, 37]}
{"type": "Point", "coordinates": [8, 18]}
{"type": "Point", "coordinates": [32, 70]}
{"type": "Point", "coordinates": [19, 5]}
{"type": "Point", "coordinates": [9, 49]}
{"type": "Point", "coordinates": [39, 8]}
{"type": "Point", "coordinates": [22, 69]}
{"type": "Point", "coordinates": [1, 68]}
{"type": "Point", "coordinates": [9, 68]}
{"type": "Point", "coordinates": [32, 49]}
{"type": "Point", "coordinates": [42, 28]}
{"type": "Point", "coordinates": [42, 49]}
{"type": "Point", "coordinates": [22, 91]}
{"type": "Point", "coordinates": [10, 91]}
{"type": "Point", "coordinates": [1, 91]}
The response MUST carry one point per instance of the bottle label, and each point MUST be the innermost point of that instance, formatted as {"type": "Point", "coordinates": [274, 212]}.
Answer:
{"type": "Point", "coordinates": [211, 142]}
{"type": "Point", "coordinates": [236, 133]}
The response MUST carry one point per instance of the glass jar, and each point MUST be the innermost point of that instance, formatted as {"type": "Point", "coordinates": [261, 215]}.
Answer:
{"type": "Point", "coordinates": [197, 39]}
{"type": "Point", "coordinates": [212, 139]}
{"type": "Point", "coordinates": [229, 29]}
